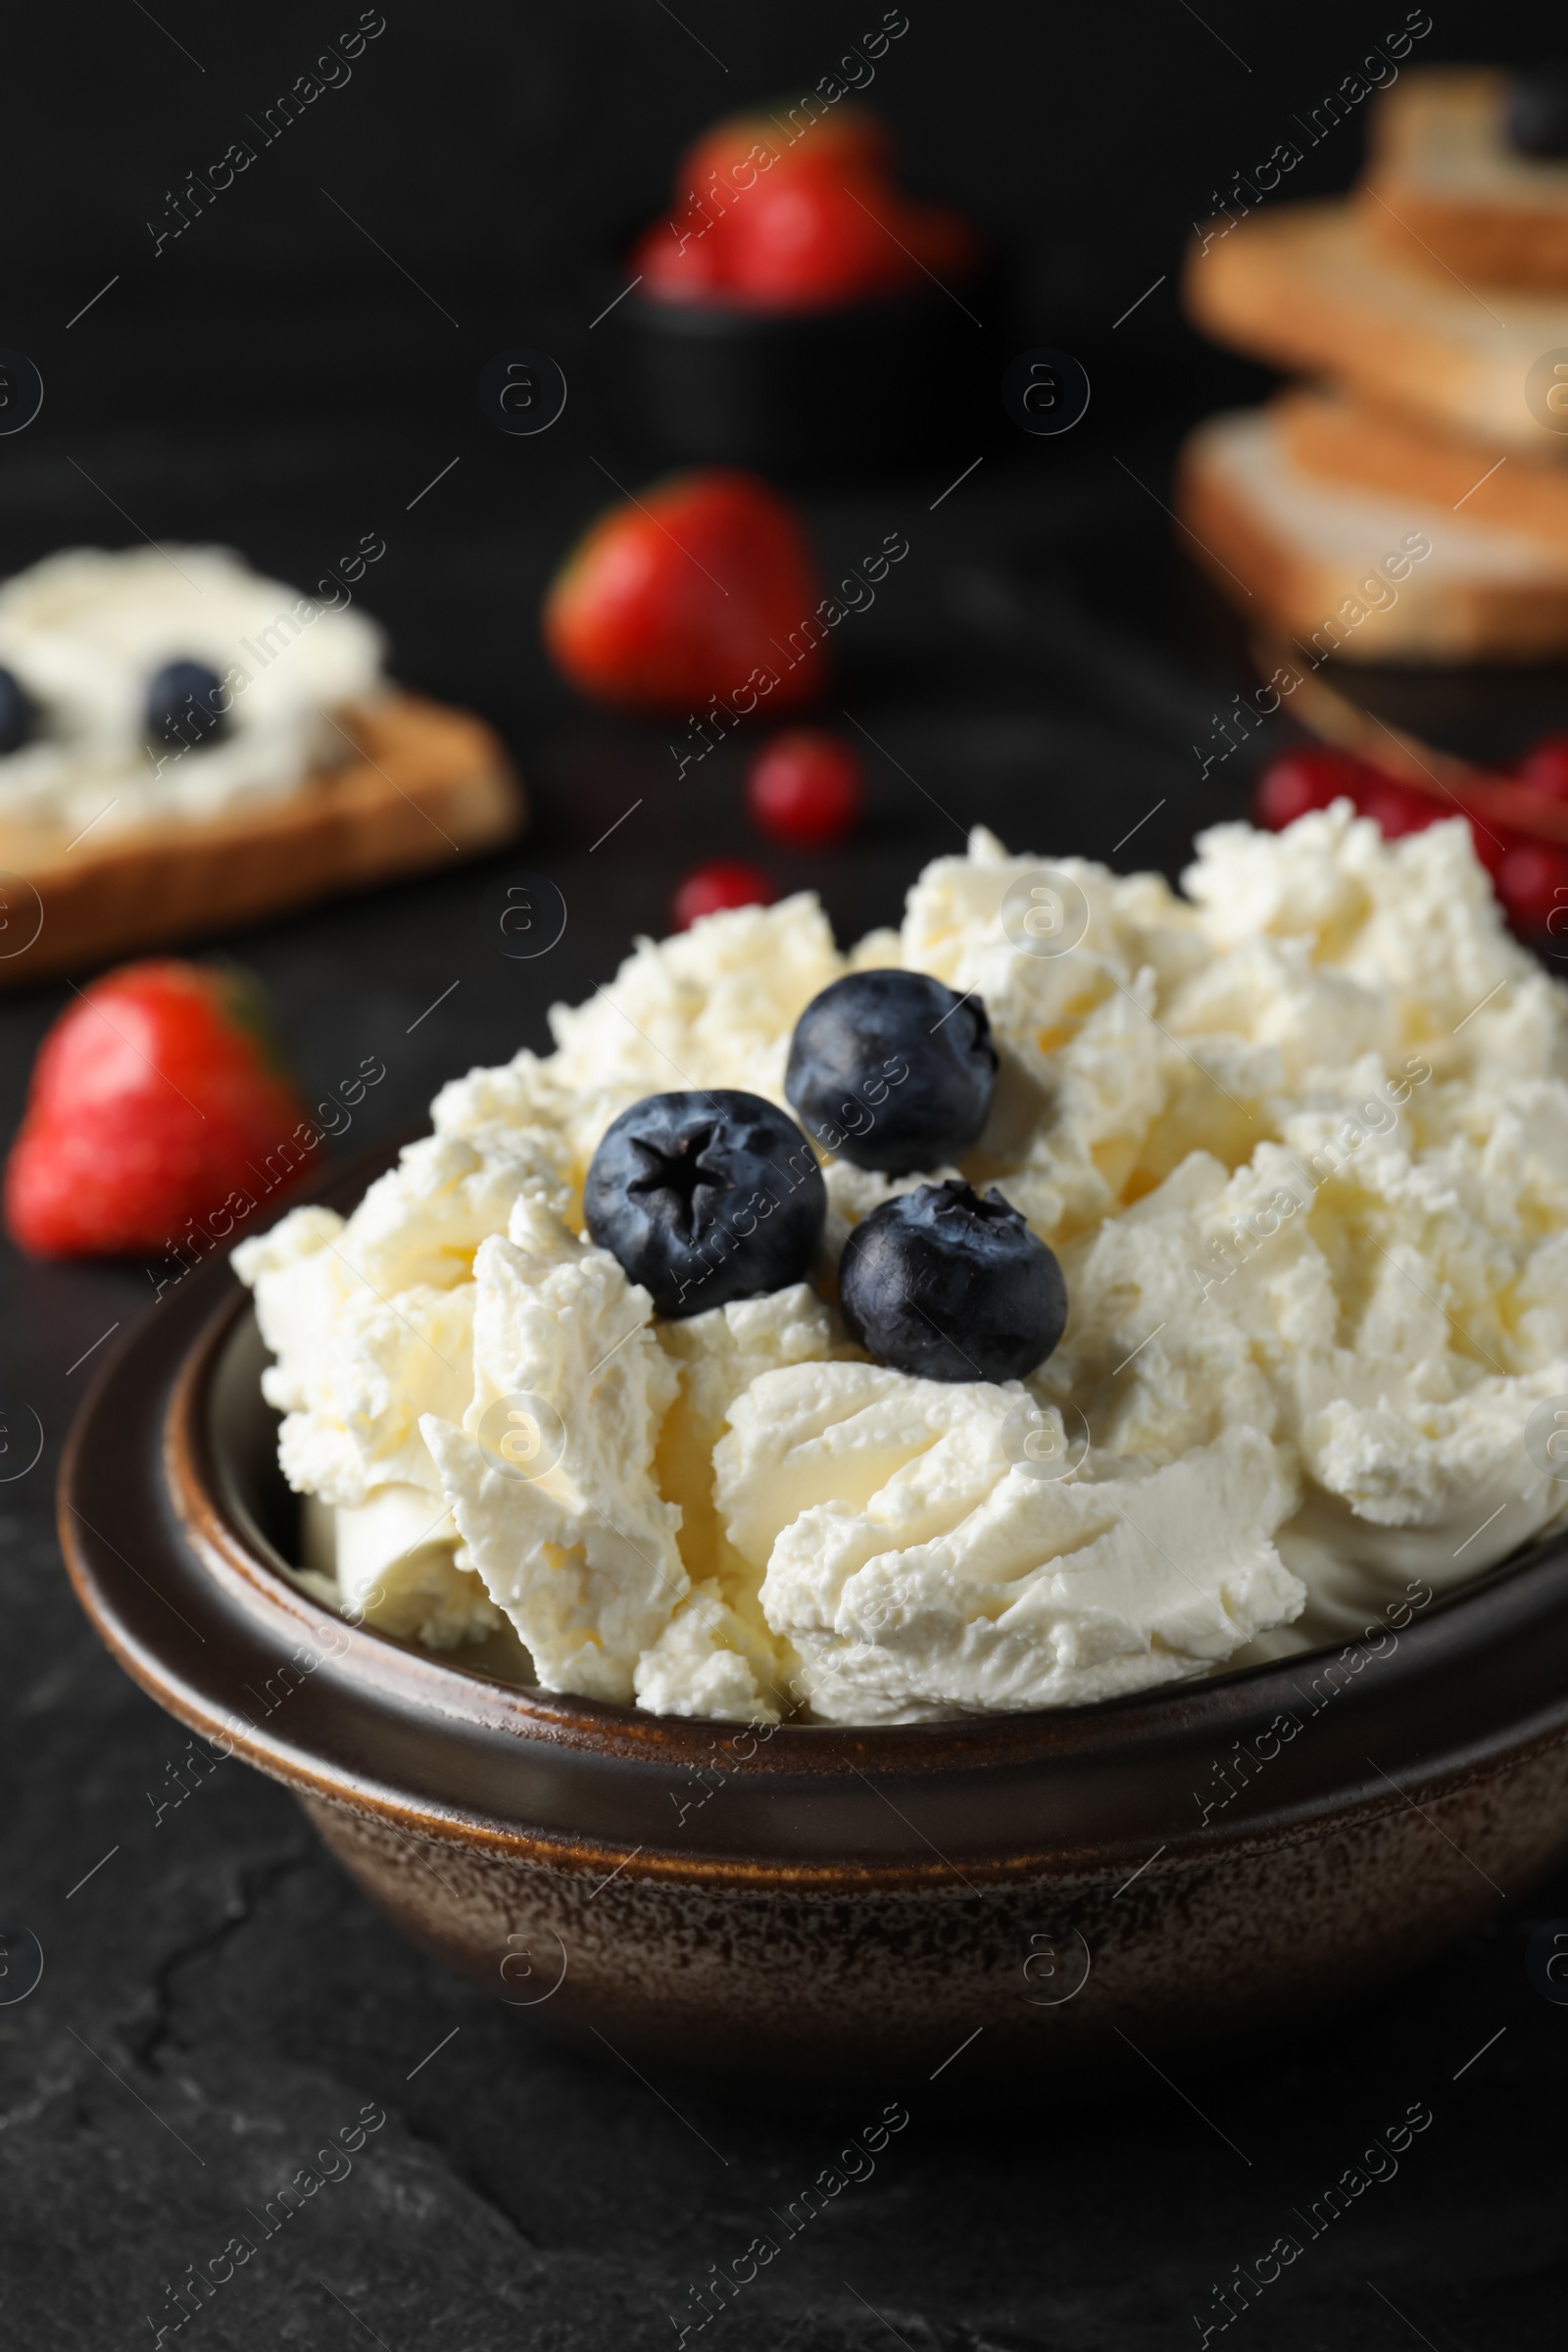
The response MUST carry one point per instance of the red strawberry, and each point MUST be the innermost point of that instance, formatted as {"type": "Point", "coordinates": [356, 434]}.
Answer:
{"type": "Point", "coordinates": [157, 1094]}
{"type": "Point", "coordinates": [807, 788]}
{"type": "Point", "coordinates": [795, 208]}
{"type": "Point", "coordinates": [709, 889]}
{"type": "Point", "coordinates": [701, 590]}
{"type": "Point", "coordinates": [852, 138]}
{"type": "Point", "coordinates": [812, 236]}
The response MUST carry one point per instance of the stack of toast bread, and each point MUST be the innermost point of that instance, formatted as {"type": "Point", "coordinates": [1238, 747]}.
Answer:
{"type": "Point", "coordinates": [1409, 504]}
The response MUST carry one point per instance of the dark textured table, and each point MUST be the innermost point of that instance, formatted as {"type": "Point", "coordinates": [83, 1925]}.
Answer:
{"type": "Point", "coordinates": [216, 2000]}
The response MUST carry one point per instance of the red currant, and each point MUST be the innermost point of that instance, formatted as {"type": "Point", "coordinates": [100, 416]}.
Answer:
{"type": "Point", "coordinates": [1397, 809]}
{"type": "Point", "coordinates": [723, 882]}
{"type": "Point", "coordinates": [807, 788]}
{"type": "Point", "coordinates": [1532, 885]}
{"type": "Point", "coordinates": [1307, 778]}
{"type": "Point", "coordinates": [1493, 847]}
{"type": "Point", "coordinates": [1544, 766]}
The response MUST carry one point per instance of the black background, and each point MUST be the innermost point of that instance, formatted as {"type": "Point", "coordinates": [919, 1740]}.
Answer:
{"type": "Point", "coordinates": [273, 381]}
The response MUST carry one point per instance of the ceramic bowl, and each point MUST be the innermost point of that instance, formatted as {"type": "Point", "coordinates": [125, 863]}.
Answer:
{"type": "Point", "coordinates": [982, 1899]}
{"type": "Point", "coordinates": [887, 381]}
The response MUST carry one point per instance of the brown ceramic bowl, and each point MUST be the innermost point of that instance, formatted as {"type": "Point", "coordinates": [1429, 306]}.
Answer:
{"type": "Point", "coordinates": [986, 1899]}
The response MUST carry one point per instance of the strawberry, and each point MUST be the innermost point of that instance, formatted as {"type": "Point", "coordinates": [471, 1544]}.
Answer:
{"type": "Point", "coordinates": [796, 208]}
{"type": "Point", "coordinates": [808, 237]}
{"type": "Point", "coordinates": [700, 591]}
{"type": "Point", "coordinates": [852, 138]}
{"type": "Point", "coordinates": [157, 1094]}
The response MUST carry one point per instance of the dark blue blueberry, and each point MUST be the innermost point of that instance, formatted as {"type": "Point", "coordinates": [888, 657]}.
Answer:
{"type": "Point", "coordinates": [17, 718]}
{"type": "Point", "coordinates": [705, 1197]}
{"type": "Point", "coordinates": [946, 1286]}
{"type": "Point", "coordinates": [185, 705]}
{"type": "Point", "coordinates": [892, 1071]}
{"type": "Point", "coordinates": [1537, 110]}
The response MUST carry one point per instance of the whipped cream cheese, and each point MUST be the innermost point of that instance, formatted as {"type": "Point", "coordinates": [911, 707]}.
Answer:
{"type": "Point", "coordinates": [84, 632]}
{"type": "Point", "coordinates": [1300, 1140]}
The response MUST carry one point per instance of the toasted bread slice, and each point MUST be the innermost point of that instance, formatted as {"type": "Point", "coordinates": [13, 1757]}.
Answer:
{"type": "Point", "coordinates": [422, 786]}
{"type": "Point", "coordinates": [1305, 287]}
{"type": "Point", "coordinates": [1445, 186]}
{"type": "Point", "coordinates": [1340, 442]}
{"type": "Point", "coordinates": [1339, 569]}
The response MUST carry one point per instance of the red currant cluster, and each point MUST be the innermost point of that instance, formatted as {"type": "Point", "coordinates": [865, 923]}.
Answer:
{"type": "Point", "coordinates": [1529, 875]}
{"type": "Point", "coordinates": [806, 789]}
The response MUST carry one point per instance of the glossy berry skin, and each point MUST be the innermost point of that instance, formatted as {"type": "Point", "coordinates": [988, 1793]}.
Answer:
{"type": "Point", "coordinates": [1537, 110]}
{"type": "Point", "coordinates": [1309, 777]}
{"type": "Point", "coordinates": [892, 1071]}
{"type": "Point", "coordinates": [806, 238]}
{"type": "Point", "coordinates": [1544, 766]}
{"type": "Point", "coordinates": [184, 705]}
{"type": "Point", "coordinates": [17, 717]}
{"type": "Point", "coordinates": [807, 788]}
{"type": "Point", "coordinates": [156, 1096]}
{"type": "Point", "coordinates": [722, 883]}
{"type": "Point", "coordinates": [1532, 884]}
{"type": "Point", "coordinates": [705, 1197]}
{"type": "Point", "coordinates": [691, 600]}
{"type": "Point", "coordinates": [946, 1286]}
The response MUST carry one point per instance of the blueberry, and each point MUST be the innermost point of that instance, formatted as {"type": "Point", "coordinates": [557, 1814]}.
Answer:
{"type": "Point", "coordinates": [1537, 110]}
{"type": "Point", "coordinates": [17, 714]}
{"type": "Point", "coordinates": [705, 1197]}
{"type": "Point", "coordinates": [946, 1286]}
{"type": "Point", "coordinates": [183, 704]}
{"type": "Point", "coordinates": [892, 1071]}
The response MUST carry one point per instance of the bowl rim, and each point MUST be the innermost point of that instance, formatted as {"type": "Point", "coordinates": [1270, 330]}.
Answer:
{"type": "Point", "coordinates": [146, 1422]}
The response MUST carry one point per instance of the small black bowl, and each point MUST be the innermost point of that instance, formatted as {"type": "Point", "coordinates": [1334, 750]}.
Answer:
{"type": "Point", "coordinates": [863, 383]}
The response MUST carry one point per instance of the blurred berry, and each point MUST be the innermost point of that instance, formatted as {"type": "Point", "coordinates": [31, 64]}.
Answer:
{"type": "Point", "coordinates": [805, 238]}
{"type": "Point", "coordinates": [1307, 778]}
{"type": "Point", "coordinates": [723, 882]}
{"type": "Point", "coordinates": [1544, 766]}
{"type": "Point", "coordinates": [1397, 808]}
{"type": "Point", "coordinates": [184, 705]}
{"type": "Point", "coordinates": [807, 788]}
{"type": "Point", "coordinates": [1493, 847]}
{"type": "Point", "coordinates": [1532, 885]}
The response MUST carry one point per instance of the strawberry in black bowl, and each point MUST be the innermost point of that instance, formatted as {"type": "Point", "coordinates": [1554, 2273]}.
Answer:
{"type": "Point", "coordinates": [794, 294]}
